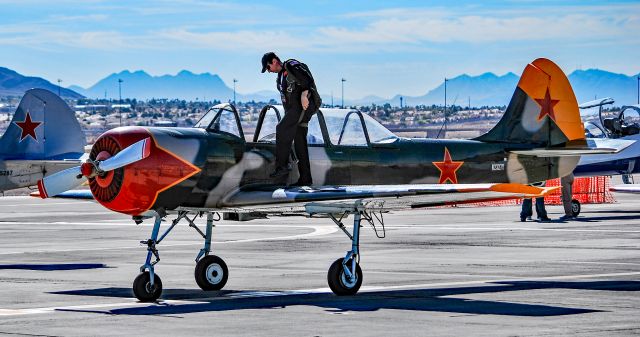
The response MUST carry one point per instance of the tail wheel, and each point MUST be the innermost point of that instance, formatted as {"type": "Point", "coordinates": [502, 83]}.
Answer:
{"type": "Point", "coordinates": [575, 207]}
{"type": "Point", "coordinates": [144, 291]}
{"type": "Point", "coordinates": [340, 283]}
{"type": "Point", "coordinates": [211, 273]}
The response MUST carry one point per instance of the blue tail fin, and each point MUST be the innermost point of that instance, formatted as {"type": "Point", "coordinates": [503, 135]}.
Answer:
{"type": "Point", "coordinates": [43, 128]}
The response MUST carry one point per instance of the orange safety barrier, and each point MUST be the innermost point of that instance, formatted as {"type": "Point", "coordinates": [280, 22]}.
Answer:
{"type": "Point", "coordinates": [587, 190]}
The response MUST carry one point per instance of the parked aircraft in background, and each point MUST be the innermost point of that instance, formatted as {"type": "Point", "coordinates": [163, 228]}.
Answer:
{"type": "Point", "coordinates": [359, 168]}
{"type": "Point", "coordinates": [43, 137]}
{"type": "Point", "coordinates": [626, 125]}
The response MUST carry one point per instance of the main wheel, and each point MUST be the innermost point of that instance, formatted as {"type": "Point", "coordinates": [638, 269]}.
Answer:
{"type": "Point", "coordinates": [143, 290]}
{"type": "Point", "coordinates": [211, 273]}
{"type": "Point", "coordinates": [340, 283]}
{"type": "Point", "coordinates": [575, 207]}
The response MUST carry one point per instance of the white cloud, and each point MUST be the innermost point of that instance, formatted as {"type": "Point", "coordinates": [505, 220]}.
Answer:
{"type": "Point", "coordinates": [479, 29]}
{"type": "Point", "coordinates": [237, 40]}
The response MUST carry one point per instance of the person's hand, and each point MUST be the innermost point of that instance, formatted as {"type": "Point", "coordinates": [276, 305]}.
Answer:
{"type": "Point", "coordinates": [305, 100]}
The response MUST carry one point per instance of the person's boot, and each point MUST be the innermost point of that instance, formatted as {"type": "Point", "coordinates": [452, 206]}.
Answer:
{"type": "Point", "coordinates": [301, 183]}
{"type": "Point", "coordinates": [279, 172]}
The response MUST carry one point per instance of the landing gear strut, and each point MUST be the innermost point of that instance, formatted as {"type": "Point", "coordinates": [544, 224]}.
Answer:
{"type": "Point", "coordinates": [147, 287]}
{"type": "Point", "coordinates": [211, 272]}
{"type": "Point", "coordinates": [345, 275]}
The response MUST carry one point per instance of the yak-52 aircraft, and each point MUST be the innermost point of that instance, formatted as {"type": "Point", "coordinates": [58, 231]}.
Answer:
{"type": "Point", "coordinates": [359, 168]}
{"type": "Point", "coordinates": [43, 137]}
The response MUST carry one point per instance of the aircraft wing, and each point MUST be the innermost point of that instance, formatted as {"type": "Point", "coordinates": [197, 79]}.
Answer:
{"type": "Point", "coordinates": [383, 197]}
{"type": "Point", "coordinates": [593, 146]}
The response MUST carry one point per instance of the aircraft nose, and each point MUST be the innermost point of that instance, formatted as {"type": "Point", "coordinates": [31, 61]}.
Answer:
{"type": "Point", "coordinates": [134, 189]}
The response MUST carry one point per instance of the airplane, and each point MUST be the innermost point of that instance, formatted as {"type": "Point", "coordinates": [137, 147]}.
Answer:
{"type": "Point", "coordinates": [626, 125]}
{"type": "Point", "coordinates": [43, 137]}
{"type": "Point", "coordinates": [359, 168]}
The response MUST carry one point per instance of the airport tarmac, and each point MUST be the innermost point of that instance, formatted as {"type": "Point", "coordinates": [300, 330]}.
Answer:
{"type": "Point", "coordinates": [66, 269]}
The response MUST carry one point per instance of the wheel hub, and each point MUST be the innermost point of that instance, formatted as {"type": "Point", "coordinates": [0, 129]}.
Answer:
{"type": "Point", "coordinates": [214, 273]}
{"type": "Point", "coordinates": [150, 288]}
{"type": "Point", "coordinates": [347, 281]}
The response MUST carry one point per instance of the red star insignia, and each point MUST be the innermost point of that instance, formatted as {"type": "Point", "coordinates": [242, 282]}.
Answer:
{"type": "Point", "coordinates": [547, 105]}
{"type": "Point", "coordinates": [448, 168]}
{"type": "Point", "coordinates": [28, 127]}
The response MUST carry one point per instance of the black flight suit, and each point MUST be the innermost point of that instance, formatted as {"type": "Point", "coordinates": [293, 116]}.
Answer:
{"type": "Point", "coordinates": [293, 126]}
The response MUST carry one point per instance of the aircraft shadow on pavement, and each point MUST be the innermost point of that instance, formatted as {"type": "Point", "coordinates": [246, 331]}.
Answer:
{"type": "Point", "coordinates": [417, 299]}
{"type": "Point", "coordinates": [588, 218]}
{"type": "Point", "coordinates": [55, 266]}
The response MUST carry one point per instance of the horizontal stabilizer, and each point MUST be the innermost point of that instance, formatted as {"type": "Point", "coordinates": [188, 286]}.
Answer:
{"type": "Point", "coordinates": [628, 188]}
{"type": "Point", "coordinates": [593, 146]}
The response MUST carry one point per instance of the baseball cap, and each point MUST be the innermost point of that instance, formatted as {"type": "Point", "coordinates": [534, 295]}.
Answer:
{"type": "Point", "coordinates": [266, 59]}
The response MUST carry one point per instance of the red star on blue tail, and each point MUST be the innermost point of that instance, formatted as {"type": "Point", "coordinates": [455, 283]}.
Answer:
{"type": "Point", "coordinates": [28, 128]}
{"type": "Point", "coordinates": [448, 168]}
{"type": "Point", "coordinates": [547, 105]}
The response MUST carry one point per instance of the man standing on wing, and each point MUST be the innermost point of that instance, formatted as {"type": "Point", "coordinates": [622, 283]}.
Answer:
{"type": "Point", "coordinates": [300, 100]}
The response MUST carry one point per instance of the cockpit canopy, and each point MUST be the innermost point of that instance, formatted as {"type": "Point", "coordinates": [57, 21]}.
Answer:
{"type": "Point", "coordinates": [345, 127]}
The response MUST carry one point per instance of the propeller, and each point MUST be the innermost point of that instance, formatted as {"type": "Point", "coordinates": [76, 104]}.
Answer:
{"type": "Point", "coordinates": [70, 178]}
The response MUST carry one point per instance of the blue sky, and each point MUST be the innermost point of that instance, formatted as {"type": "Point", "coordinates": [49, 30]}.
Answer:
{"type": "Point", "coordinates": [381, 48]}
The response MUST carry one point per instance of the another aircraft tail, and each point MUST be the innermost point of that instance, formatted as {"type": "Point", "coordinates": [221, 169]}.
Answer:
{"type": "Point", "coordinates": [43, 127]}
{"type": "Point", "coordinates": [543, 110]}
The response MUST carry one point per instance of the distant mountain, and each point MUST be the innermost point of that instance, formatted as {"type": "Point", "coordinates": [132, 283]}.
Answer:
{"type": "Point", "coordinates": [14, 84]}
{"type": "Point", "coordinates": [138, 84]}
{"type": "Point", "coordinates": [184, 85]}
{"type": "Point", "coordinates": [486, 89]}
{"type": "Point", "coordinates": [492, 90]}
{"type": "Point", "coordinates": [595, 83]}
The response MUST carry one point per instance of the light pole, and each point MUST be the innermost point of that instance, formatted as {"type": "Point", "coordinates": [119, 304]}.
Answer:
{"type": "Point", "coordinates": [59, 81]}
{"type": "Point", "coordinates": [120, 98]}
{"type": "Point", "coordinates": [234, 91]}
{"type": "Point", "coordinates": [445, 105]}
{"type": "Point", "coordinates": [638, 89]}
{"type": "Point", "coordinates": [343, 80]}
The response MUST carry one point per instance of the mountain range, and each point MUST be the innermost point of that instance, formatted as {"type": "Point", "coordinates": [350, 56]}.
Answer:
{"type": "Point", "coordinates": [184, 85]}
{"type": "Point", "coordinates": [487, 89]}
{"type": "Point", "coordinates": [14, 84]}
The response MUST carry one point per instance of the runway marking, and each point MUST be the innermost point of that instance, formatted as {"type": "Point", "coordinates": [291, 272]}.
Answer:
{"type": "Point", "coordinates": [436, 227]}
{"type": "Point", "coordinates": [317, 231]}
{"type": "Point", "coordinates": [257, 294]}
{"type": "Point", "coordinates": [525, 229]}
{"type": "Point", "coordinates": [48, 203]}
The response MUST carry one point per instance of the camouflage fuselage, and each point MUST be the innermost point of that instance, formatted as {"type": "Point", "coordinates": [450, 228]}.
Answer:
{"type": "Point", "coordinates": [194, 167]}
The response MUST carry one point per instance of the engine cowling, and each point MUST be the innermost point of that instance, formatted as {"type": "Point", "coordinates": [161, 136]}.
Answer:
{"type": "Point", "coordinates": [134, 189]}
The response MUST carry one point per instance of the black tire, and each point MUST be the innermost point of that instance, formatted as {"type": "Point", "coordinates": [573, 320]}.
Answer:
{"type": "Point", "coordinates": [575, 207]}
{"type": "Point", "coordinates": [142, 287]}
{"type": "Point", "coordinates": [338, 280]}
{"type": "Point", "coordinates": [211, 273]}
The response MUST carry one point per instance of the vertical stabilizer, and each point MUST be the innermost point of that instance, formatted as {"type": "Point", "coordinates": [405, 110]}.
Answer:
{"type": "Point", "coordinates": [543, 110]}
{"type": "Point", "coordinates": [43, 127]}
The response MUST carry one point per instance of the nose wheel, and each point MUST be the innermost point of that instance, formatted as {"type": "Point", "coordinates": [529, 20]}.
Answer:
{"type": "Point", "coordinates": [211, 273]}
{"type": "Point", "coordinates": [144, 289]}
